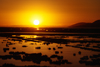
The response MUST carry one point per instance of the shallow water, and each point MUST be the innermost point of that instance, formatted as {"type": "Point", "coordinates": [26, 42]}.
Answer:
{"type": "Point", "coordinates": [39, 49]}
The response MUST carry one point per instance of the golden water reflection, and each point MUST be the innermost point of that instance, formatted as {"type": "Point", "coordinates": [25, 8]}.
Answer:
{"type": "Point", "coordinates": [71, 48]}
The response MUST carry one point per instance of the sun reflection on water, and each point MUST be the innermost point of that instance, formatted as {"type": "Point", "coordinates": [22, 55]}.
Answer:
{"type": "Point", "coordinates": [26, 36]}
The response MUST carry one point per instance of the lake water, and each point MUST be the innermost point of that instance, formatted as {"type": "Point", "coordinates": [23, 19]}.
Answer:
{"type": "Point", "coordinates": [53, 49]}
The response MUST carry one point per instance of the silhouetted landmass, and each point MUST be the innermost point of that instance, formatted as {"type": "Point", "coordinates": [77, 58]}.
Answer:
{"type": "Point", "coordinates": [76, 28]}
{"type": "Point", "coordinates": [16, 30]}
{"type": "Point", "coordinates": [83, 24]}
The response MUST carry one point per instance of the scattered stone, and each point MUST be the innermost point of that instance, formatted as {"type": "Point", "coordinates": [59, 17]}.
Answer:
{"type": "Point", "coordinates": [32, 43]}
{"type": "Point", "coordinates": [61, 52]}
{"type": "Point", "coordinates": [5, 49]}
{"type": "Point", "coordinates": [60, 47]}
{"type": "Point", "coordinates": [59, 57]}
{"type": "Point", "coordinates": [53, 56]}
{"type": "Point", "coordinates": [64, 61]}
{"type": "Point", "coordinates": [67, 45]}
{"type": "Point", "coordinates": [14, 48]}
{"type": "Point", "coordinates": [95, 56]}
{"type": "Point", "coordinates": [47, 43]}
{"type": "Point", "coordinates": [79, 52]}
{"type": "Point", "coordinates": [84, 58]}
{"type": "Point", "coordinates": [74, 54]}
{"type": "Point", "coordinates": [24, 46]}
{"type": "Point", "coordinates": [56, 52]}
{"type": "Point", "coordinates": [54, 49]}
{"type": "Point", "coordinates": [38, 47]}
{"type": "Point", "coordinates": [4, 40]}
{"type": "Point", "coordinates": [11, 52]}
{"type": "Point", "coordinates": [44, 43]}
{"type": "Point", "coordinates": [7, 45]}
{"type": "Point", "coordinates": [8, 39]}
{"type": "Point", "coordinates": [13, 40]}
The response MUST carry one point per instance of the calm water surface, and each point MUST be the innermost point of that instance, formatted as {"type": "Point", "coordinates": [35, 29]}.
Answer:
{"type": "Point", "coordinates": [50, 50]}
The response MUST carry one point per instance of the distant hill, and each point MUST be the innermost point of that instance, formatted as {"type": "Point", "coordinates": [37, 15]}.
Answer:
{"type": "Point", "coordinates": [83, 24]}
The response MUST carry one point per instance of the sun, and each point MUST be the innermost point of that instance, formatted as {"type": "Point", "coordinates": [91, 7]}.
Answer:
{"type": "Point", "coordinates": [36, 22]}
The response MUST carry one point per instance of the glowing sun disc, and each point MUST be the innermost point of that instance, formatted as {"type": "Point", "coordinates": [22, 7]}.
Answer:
{"type": "Point", "coordinates": [36, 22]}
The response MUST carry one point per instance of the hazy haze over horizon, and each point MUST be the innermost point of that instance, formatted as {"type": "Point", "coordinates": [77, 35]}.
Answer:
{"type": "Point", "coordinates": [50, 13]}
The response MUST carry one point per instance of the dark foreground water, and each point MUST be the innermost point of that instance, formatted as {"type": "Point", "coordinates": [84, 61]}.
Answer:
{"type": "Point", "coordinates": [50, 49]}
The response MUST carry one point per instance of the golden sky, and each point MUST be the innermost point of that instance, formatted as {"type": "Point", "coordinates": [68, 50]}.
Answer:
{"type": "Point", "coordinates": [50, 13]}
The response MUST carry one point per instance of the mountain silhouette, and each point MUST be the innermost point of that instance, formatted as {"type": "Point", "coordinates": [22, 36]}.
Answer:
{"type": "Point", "coordinates": [84, 24]}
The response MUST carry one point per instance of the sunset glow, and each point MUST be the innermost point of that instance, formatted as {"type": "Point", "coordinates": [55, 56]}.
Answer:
{"type": "Point", "coordinates": [59, 13]}
{"type": "Point", "coordinates": [36, 22]}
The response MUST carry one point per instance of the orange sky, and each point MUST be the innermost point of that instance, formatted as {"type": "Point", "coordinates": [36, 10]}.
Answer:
{"type": "Point", "coordinates": [50, 13]}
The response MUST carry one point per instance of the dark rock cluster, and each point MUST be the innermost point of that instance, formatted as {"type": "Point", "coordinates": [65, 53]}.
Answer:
{"type": "Point", "coordinates": [35, 57]}
{"type": "Point", "coordinates": [95, 60]}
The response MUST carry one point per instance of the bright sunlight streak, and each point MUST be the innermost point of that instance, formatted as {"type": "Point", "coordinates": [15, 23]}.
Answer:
{"type": "Point", "coordinates": [36, 22]}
